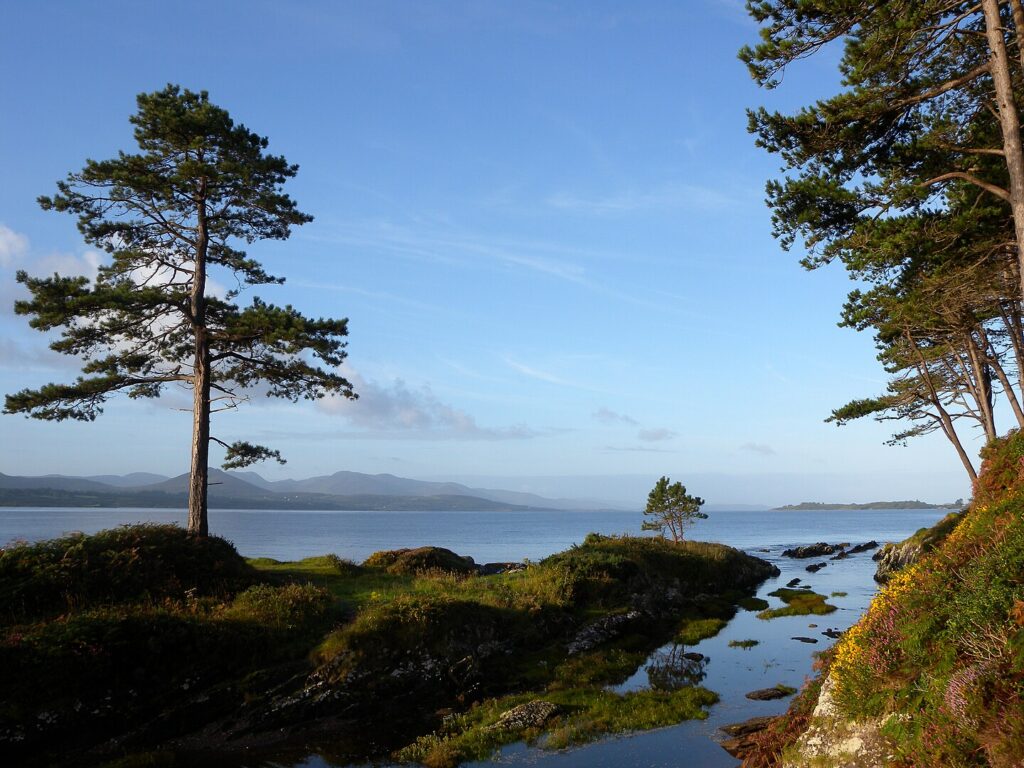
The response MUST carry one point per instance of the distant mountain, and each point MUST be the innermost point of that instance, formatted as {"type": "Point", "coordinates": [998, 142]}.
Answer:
{"type": "Point", "coordinates": [817, 505]}
{"type": "Point", "coordinates": [222, 484]}
{"type": "Point", "coordinates": [55, 482]}
{"type": "Point", "coordinates": [132, 480]}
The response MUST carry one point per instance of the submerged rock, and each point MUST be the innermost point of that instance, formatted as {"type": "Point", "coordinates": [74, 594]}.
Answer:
{"type": "Point", "coordinates": [804, 639]}
{"type": "Point", "coordinates": [816, 567]}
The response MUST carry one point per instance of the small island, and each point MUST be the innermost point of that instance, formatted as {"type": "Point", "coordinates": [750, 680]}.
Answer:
{"type": "Point", "coordinates": [822, 506]}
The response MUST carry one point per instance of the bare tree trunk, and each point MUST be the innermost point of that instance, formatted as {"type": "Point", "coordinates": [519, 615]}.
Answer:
{"type": "Point", "coordinates": [1009, 121]}
{"type": "Point", "coordinates": [944, 418]}
{"type": "Point", "coordinates": [198, 524]}
{"type": "Point", "coordinates": [980, 380]}
{"type": "Point", "coordinates": [1018, 27]}
{"type": "Point", "coordinates": [1004, 379]}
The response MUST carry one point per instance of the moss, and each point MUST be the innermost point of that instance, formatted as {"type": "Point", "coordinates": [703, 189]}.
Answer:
{"type": "Point", "coordinates": [692, 631]}
{"type": "Point", "coordinates": [798, 602]}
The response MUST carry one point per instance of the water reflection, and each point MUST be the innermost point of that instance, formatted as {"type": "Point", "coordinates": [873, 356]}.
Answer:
{"type": "Point", "coordinates": [673, 667]}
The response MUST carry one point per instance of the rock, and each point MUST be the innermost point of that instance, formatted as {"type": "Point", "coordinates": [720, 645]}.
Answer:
{"type": "Point", "coordinates": [532, 714]}
{"type": "Point", "coordinates": [492, 569]}
{"type": "Point", "coordinates": [742, 743]}
{"type": "Point", "coordinates": [864, 547]}
{"type": "Point", "coordinates": [792, 583]}
{"type": "Point", "coordinates": [812, 550]}
{"type": "Point", "coordinates": [694, 656]}
{"type": "Point", "coordinates": [816, 567]}
{"type": "Point", "coordinates": [804, 639]}
{"type": "Point", "coordinates": [812, 626]}
{"type": "Point", "coordinates": [601, 631]}
{"type": "Point", "coordinates": [767, 694]}
{"type": "Point", "coordinates": [833, 633]}
{"type": "Point", "coordinates": [747, 727]}
{"type": "Point", "coordinates": [841, 556]}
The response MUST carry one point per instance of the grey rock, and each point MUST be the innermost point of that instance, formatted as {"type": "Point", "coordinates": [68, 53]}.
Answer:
{"type": "Point", "coordinates": [532, 714]}
{"type": "Point", "coordinates": [814, 568]}
{"type": "Point", "coordinates": [812, 550]}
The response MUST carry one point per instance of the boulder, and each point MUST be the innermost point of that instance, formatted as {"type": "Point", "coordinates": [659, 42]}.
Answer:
{"type": "Point", "coordinates": [741, 742]}
{"type": "Point", "coordinates": [842, 555]}
{"type": "Point", "coordinates": [792, 583]}
{"type": "Point", "coordinates": [815, 567]}
{"type": "Point", "coordinates": [694, 656]}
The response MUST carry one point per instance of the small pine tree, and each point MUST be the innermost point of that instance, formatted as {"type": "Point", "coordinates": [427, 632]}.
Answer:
{"type": "Point", "coordinates": [670, 507]}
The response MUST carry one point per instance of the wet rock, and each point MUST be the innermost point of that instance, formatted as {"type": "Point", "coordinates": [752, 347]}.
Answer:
{"type": "Point", "coordinates": [601, 631]}
{"type": "Point", "coordinates": [812, 550]}
{"type": "Point", "coordinates": [768, 694]}
{"type": "Point", "coordinates": [532, 714]}
{"type": "Point", "coordinates": [804, 639]}
{"type": "Point", "coordinates": [816, 567]}
{"type": "Point", "coordinates": [694, 656]}
{"type": "Point", "coordinates": [841, 556]}
{"type": "Point", "coordinates": [833, 633]}
{"type": "Point", "coordinates": [868, 545]}
{"type": "Point", "coordinates": [742, 742]}
{"type": "Point", "coordinates": [792, 583]}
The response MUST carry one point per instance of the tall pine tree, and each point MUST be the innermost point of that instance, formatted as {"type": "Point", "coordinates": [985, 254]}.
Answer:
{"type": "Point", "coordinates": [198, 188]}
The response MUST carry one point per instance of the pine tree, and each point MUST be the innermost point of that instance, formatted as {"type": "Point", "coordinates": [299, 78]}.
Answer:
{"type": "Point", "coordinates": [199, 187]}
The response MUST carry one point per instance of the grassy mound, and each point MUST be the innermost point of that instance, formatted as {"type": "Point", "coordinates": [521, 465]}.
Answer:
{"type": "Point", "coordinates": [419, 560]}
{"type": "Point", "coordinates": [798, 602]}
{"type": "Point", "coordinates": [138, 563]}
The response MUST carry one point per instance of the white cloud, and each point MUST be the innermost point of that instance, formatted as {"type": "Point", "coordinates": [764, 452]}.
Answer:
{"type": "Point", "coordinates": [655, 435]}
{"type": "Point", "coordinates": [13, 246]}
{"type": "Point", "coordinates": [397, 411]}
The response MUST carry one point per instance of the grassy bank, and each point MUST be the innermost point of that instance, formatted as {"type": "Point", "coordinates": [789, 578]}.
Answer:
{"type": "Point", "coordinates": [142, 637]}
{"type": "Point", "coordinates": [937, 663]}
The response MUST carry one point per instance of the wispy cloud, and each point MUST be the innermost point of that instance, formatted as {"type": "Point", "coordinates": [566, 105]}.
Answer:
{"type": "Point", "coordinates": [397, 412]}
{"type": "Point", "coordinates": [536, 373]}
{"type": "Point", "coordinates": [608, 416]}
{"type": "Point", "coordinates": [665, 198]}
{"type": "Point", "coordinates": [762, 449]}
{"type": "Point", "coordinates": [638, 449]}
{"type": "Point", "coordinates": [655, 435]}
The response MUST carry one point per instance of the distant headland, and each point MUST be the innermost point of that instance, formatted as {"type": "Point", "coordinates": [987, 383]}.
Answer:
{"type": "Point", "coordinates": [818, 505]}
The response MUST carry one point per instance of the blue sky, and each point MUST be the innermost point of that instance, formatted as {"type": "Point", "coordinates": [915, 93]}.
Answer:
{"type": "Point", "coordinates": [544, 221]}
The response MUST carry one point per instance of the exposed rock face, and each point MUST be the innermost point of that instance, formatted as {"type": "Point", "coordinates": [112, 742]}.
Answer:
{"type": "Point", "coordinates": [532, 714]}
{"type": "Point", "coordinates": [834, 741]}
{"type": "Point", "coordinates": [895, 557]}
{"type": "Point", "coordinates": [601, 631]}
{"type": "Point", "coordinates": [812, 550]}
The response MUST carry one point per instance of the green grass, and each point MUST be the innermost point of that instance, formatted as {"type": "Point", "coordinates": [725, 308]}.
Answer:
{"type": "Point", "coordinates": [752, 604]}
{"type": "Point", "coordinates": [692, 631]}
{"type": "Point", "coordinates": [586, 714]}
{"type": "Point", "coordinates": [743, 643]}
{"type": "Point", "coordinates": [798, 602]}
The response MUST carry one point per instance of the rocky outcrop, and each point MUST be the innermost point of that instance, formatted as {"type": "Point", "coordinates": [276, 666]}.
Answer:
{"type": "Point", "coordinates": [601, 631]}
{"type": "Point", "coordinates": [532, 714]}
{"type": "Point", "coordinates": [812, 550]}
{"type": "Point", "coordinates": [868, 545]}
{"type": "Point", "coordinates": [895, 557]}
{"type": "Point", "coordinates": [815, 567]}
{"type": "Point", "coordinates": [832, 740]}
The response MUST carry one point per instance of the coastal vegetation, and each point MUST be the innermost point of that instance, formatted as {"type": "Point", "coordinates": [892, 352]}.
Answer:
{"type": "Point", "coordinates": [131, 639]}
{"type": "Point", "coordinates": [934, 672]}
{"type": "Point", "coordinates": [798, 602]}
{"type": "Point", "coordinates": [169, 218]}
{"type": "Point", "coordinates": [670, 508]}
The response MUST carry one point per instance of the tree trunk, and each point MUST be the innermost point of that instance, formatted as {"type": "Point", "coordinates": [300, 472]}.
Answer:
{"type": "Point", "coordinates": [1009, 121]}
{"type": "Point", "coordinates": [198, 524]}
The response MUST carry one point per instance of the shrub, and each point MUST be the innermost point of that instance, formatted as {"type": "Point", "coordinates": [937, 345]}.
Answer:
{"type": "Point", "coordinates": [421, 559]}
{"type": "Point", "coordinates": [286, 607]}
